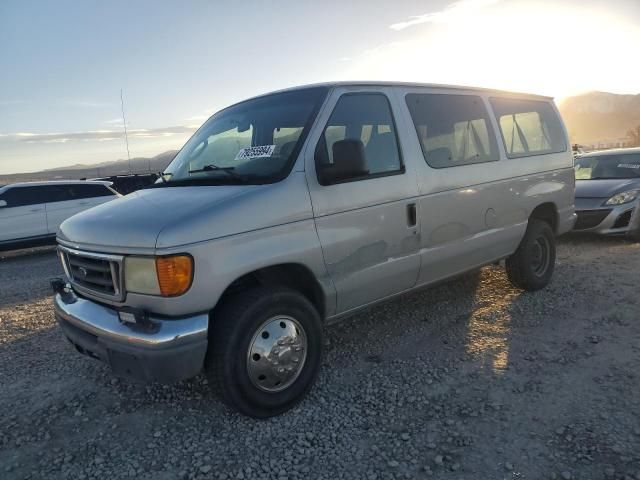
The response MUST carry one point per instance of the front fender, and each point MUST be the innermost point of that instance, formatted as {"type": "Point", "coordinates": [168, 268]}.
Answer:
{"type": "Point", "coordinates": [218, 263]}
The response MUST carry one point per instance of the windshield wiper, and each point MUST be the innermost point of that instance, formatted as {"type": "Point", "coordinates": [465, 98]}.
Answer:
{"type": "Point", "coordinates": [215, 168]}
{"type": "Point", "coordinates": [161, 176]}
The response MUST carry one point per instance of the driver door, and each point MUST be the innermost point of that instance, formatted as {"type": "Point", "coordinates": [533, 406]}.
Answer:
{"type": "Point", "coordinates": [367, 224]}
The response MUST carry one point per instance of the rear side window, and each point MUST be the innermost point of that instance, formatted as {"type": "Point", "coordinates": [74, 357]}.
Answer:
{"type": "Point", "coordinates": [90, 191]}
{"type": "Point", "coordinates": [453, 130]}
{"type": "Point", "coordinates": [23, 196]}
{"type": "Point", "coordinates": [528, 127]}
{"type": "Point", "coordinates": [78, 191]}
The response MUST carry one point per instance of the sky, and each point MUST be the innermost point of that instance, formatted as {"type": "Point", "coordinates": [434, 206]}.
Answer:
{"type": "Point", "coordinates": [63, 63]}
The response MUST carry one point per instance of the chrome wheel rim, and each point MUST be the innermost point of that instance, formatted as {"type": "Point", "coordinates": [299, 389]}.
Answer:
{"type": "Point", "coordinates": [277, 353]}
{"type": "Point", "coordinates": [540, 256]}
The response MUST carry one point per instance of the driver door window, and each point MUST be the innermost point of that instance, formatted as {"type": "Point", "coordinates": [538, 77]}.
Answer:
{"type": "Point", "coordinates": [365, 118]}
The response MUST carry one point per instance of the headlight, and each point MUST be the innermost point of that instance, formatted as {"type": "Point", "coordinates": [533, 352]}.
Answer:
{"type": "Point", "coordinates": [140, 275]}
{"type": "Point", "coordinates": [623, 197]}
{"type": "Point", "coordinates": [167, 276]}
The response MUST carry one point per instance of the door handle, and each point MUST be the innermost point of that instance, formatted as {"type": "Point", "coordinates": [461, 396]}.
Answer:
{"type": "Point", "coordinates": [412, 217]}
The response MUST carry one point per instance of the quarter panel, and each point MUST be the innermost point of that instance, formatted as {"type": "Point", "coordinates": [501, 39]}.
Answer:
{"type": "Point", "coordinates": [468, 227]}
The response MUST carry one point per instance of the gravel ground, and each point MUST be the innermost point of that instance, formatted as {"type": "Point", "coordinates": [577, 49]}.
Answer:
{"type": "Point", "coordinates": [469, 380]}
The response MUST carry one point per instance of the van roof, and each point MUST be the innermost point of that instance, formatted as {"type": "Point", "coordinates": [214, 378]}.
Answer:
{"type": "Point", "coordinates": [371, 83]}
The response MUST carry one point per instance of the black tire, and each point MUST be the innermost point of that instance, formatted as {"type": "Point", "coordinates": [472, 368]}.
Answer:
{"type": "Point", "coordinates": [531, 266]}
{"type": "Point", "coordinates": [235, 325]}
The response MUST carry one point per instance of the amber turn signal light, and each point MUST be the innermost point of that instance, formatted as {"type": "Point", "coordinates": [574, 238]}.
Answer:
{"type": "Point", "coordinates": [175, 274]}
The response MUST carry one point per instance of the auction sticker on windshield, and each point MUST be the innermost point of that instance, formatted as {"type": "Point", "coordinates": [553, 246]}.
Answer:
{"type": "Point", "coordinates": [255, 152]}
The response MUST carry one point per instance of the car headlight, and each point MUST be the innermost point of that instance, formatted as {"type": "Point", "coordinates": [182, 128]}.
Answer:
{"type": "Point", "coordinates": [168, 276]}
{"type": "Point", "coordinates": [623, 197]}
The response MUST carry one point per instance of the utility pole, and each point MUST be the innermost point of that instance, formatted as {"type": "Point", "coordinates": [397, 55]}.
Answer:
{"type": "Point", "coordinates": [124, 124]}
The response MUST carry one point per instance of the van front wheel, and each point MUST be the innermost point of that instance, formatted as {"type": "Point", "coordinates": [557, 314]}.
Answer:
{"type": "Point", "coordinates": [265, 350]}
{"type": "Point", "coordinates": [532, 265]}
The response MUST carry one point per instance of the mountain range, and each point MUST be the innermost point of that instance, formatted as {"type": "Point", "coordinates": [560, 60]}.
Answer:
{"type": "Point", "coordinates": [594, 118]}
{"type": "Point", "coordinates": [600, 117]}
{"type": "Point", "coordinates": [103, 169]}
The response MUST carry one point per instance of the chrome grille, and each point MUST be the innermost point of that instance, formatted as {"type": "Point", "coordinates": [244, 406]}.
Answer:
{"type": "Point", "coordinates": [92, 273]}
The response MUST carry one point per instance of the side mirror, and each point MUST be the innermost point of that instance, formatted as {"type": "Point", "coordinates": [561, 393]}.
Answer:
{"type": "Point", "coordinates": [349, 162]}
{"type": "Point", "coordinates": [3, 203]}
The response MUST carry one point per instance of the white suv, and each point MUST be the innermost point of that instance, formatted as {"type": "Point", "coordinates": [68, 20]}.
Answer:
{"type": "Point", "coordinates": [30, 213]}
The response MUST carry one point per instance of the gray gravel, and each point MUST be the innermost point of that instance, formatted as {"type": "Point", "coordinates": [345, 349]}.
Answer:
{"type": "Point", "coordinates": [469, 380]}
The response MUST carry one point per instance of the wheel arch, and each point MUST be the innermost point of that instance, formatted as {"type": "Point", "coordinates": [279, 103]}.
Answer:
{"type": "Point", "coordinates": [547, 212]}
{"type": "Point", "coordinates": [295, 276]}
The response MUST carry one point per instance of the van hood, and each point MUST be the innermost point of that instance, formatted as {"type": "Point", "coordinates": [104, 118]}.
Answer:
{"type": "Point", "coordinates": [173, 216]}
{"type": "Point", "coordinates": [604, 188]}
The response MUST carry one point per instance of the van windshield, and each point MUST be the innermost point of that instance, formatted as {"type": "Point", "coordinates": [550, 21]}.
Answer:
{"type": "Point", "coordinates": [608, 167]}
{"type": "Point", "coordinates": [252, 142]}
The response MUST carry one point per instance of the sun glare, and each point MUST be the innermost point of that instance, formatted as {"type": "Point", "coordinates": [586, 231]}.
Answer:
{"type": "Point", "coordinates": [489, 330]}
{"type": "Point", "coordinates": [530, 48]}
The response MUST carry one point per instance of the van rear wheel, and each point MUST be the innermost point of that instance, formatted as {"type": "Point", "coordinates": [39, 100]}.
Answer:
{"type": "Point", "coordinates": [265, 350]}
{"type": "Point", "coordinates": [531, 266]}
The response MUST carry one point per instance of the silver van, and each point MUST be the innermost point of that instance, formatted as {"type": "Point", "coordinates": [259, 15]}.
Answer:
{"type": "Point", "coordinates": [297, 208]}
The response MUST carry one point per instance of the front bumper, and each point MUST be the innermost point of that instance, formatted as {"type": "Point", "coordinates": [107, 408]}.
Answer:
{"type": "Point", "coordinates": [608, 220]}
{"type": "Point", "coordinates": [156, 349]}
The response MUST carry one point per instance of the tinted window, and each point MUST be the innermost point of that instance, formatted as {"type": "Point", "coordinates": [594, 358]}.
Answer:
{"type": "Point", "coordinates": [63, 193]}
{"type": "Point", "coordinates": [90, 191]}
{"type": "Point", "coordinates": [22, 196]}
{"type": "Point", "coordinates": [528, 127]}
{"type": "Point", "coordinates": [453, 130]}
{"type": "Point", "coordinates": [364, 117]}
{"type": "Point", "coordinates": [608, 166]}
